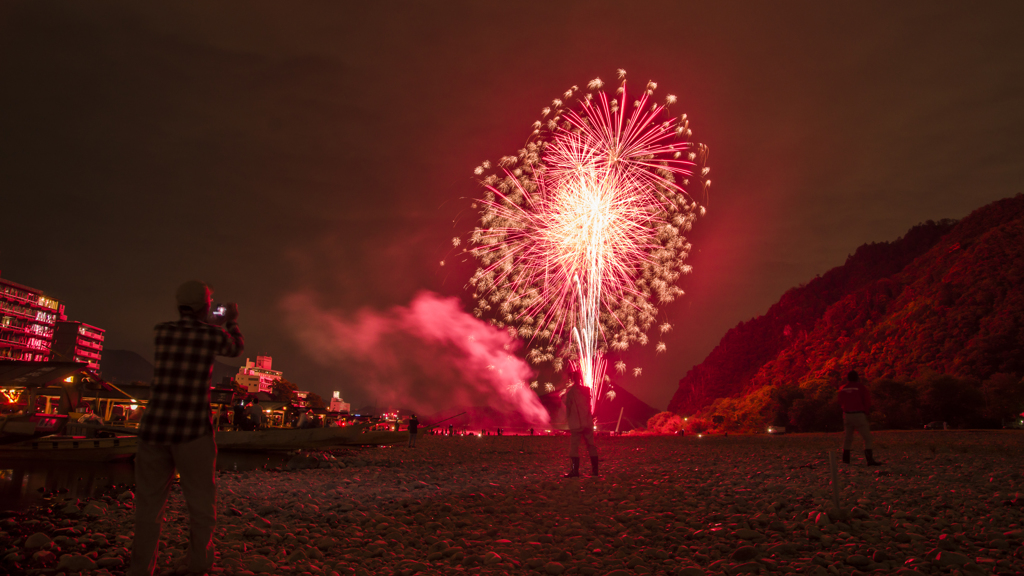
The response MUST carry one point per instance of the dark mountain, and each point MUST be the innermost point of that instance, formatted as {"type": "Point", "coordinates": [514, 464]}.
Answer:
{"type": "Point", "coordinates": [945, 299]}
{"type": "Point", "coordinates": [635, 412]}
{"type": "Point", "coordinates": [123, 367]}
{"type": "Point", "coordinates": [728, 370]}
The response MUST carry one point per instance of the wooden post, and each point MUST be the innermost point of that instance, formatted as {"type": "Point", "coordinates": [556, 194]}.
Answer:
{"type": "Point", "coordinates": [617, 424]}
{"type": "Point", "coordinates": [834, 470]}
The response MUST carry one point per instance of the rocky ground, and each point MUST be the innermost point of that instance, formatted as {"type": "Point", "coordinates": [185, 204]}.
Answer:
{"type": "Point", "coordinates": [945, 502]}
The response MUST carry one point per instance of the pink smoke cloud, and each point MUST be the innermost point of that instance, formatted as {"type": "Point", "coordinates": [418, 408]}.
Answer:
{"type": "Point", "coordinates": [430, 356]}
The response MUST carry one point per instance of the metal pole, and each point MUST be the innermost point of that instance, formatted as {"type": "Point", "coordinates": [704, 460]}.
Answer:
{"type": "Point", "coordinates": [834, 469]}
{"type": "Point", "coordinates": [619, 423]}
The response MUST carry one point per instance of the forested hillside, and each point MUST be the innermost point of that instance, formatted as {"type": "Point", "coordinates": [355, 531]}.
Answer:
{"type": "Point", "coordinates": [942, 306]}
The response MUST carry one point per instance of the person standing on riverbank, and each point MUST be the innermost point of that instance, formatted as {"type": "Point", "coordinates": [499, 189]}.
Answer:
{"type": "Point", "coordinates": [581, 423]}
{"type": "Point", "coordinates": [414, 426]}
{"type": "Point", "coordinates": [254, 415]}
{"type": "Point", "coordinates": [855, 401]}
{"type": "Point", "coordinates": [176, 432]}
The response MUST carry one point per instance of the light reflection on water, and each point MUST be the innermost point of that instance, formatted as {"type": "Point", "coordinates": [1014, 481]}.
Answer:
{"type": "Point", "coordinates": [28, 483]}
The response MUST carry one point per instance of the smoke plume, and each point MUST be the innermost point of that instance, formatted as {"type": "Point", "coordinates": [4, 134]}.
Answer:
{"type": "Point", "coordinates": [430, 356]}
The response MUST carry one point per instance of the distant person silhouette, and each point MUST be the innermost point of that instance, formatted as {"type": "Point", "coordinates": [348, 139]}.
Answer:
{"type": "Point", "coordinates": [855, 400]}
{"type": "Point", "coordinates": [254, 415]}
{"type": "Point", "coordinates": [414, 425]}
{"type": "Point", "coordinates": [581, 422]}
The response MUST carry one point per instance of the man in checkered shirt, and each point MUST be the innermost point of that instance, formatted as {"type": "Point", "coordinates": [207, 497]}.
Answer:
{"type": "Point", "coordinates": [176, 431]}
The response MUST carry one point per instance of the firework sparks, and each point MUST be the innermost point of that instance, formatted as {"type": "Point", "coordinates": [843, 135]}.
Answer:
{"type": "Point", "coordinates": [581, 232]}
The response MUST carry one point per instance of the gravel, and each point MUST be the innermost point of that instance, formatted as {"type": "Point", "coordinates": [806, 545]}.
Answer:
{"type": "Point", "coordinates": [945, 502]}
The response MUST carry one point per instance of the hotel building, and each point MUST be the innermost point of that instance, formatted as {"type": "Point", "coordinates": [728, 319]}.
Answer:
{"type": "Point", "coordinates": [258, 376]}
{"type": "Point", "coordinates": [78, 342]}
{"type": "Point", "coordinates": [27, 322]}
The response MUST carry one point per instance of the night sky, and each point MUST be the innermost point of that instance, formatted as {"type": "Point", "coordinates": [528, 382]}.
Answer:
{"type": "Point", "coordinates": [327, 148]}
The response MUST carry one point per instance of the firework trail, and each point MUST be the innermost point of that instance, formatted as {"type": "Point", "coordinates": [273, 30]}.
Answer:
{"type": "Point", "coordinates": [581, 232]}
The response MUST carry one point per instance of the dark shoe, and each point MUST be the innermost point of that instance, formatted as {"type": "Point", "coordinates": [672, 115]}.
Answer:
{"type": "Point", "coordinates": [575, 472]}
{"type": "Point", "coordinates": [870, 457]}
{"type": "Point", "coordinates": [593, 465]}
{"type": "Point", "coordinates": [846, 456]}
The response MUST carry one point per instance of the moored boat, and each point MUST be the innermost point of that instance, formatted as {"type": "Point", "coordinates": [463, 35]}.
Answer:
{"type": "Point", "coordinates": [59, 448]}
{"type": "Point", "coordinates": [291, 438]}
{"type": "Point", "coordinates": [379, 438]}
{"type": "Point", "coordinates": [19, 428]}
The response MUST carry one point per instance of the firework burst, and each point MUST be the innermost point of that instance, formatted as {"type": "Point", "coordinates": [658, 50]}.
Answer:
{"type": "Point", "coordinates": [581, 233]}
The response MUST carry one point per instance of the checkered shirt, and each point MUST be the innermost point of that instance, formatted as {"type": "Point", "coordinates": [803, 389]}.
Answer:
{"type": "Point", "coordinates": [179, 404]}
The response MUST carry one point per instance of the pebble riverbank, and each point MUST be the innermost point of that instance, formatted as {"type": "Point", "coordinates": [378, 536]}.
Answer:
{"type": "Point", "coordinates": [945, 502]}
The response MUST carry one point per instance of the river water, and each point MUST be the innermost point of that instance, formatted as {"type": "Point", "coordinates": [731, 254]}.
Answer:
{"type": "Point", "coordinates": [25, 483]}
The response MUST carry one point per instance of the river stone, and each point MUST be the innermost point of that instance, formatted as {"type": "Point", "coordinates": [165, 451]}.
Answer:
{"type": "Point", "coordinates": [744, 553]}
{"type": "Point", "coordinates": [781, 549]}
{"type": "Point", "coordinates": [554, 568]}
{"type": "Point", "coordinates": [71, 509]}
{"type": "Point", "coordinates": [95, 509]}
{"type": "Point", "coordinates": [858, 560]}
{"type": "Point", "coordinates": [112, 562]}
{"type": "Point", "coordinates": [948, 558]}
{"type": "Point", "coordinates": [75, 563]}
{"type": "Point", "coordinates": [946, 542]}
{"type": "Point", "coordinates": [261, 564]}
{"type": "Point", "coordinates": [44, 557]}
{"type": "Point", "coordinates": [688, 571]}
{"type": "Point", "coordinates": [37, 540]}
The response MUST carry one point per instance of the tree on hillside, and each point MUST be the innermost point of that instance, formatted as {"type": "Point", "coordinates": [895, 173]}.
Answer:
{"type": "Point", "coordinates": [238, 392]}
{"type": "Point", "coordinates": [818, 409]}
{"type": "Point", "coordinates": [950, 399]}
{"type": "Point", "coordinates": [782, 399]}
{"type": "Point", "coordinates": [1004, 397]}
{"type": "Point", "coordinates": [665, 423]}
{"type": "Point", "coordinates": [893, 405]}
{"type": "Point", "coordinates": [283, 391]}
{"type": "Point", "coordinates": [314, 401]}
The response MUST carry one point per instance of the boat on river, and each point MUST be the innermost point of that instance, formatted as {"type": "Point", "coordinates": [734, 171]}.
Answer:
{"type": "Point", "coordinates": [307, 438]}
{"type": "Point", "coordinates": [22, 427]}
{"type": "Point", "coordinates": [71, 448]}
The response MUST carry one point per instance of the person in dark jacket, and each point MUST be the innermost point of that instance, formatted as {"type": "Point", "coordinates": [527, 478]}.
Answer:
{"type": "Point", "coordinates": [414, 425]}
{"type": "Point", "coordinates": [581, 423]}
{"type": "Point", "coordinates": [238, 416]}
{"type": "Point", "coordinates": [855, 401]}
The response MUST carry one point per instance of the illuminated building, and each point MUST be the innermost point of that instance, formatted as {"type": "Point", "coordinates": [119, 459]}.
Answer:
{"type": "Point", "coordinates": [339, 405]}
{"type": "Point", "coordinates": [78, 342]}
{"type": "Point", "coordinates": [258, 376]}
{"type": "Point", "coordinates": [27, 321]}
